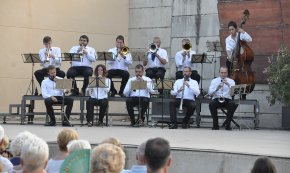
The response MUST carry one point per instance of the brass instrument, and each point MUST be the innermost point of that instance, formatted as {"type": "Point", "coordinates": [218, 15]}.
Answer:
{"type": "Point", "coordinates": [153, 48]}
{"type": "Point", "coordinates": [48, 54]}
{"type": "Point", "coordinates": [124, 51]}
{"type": "Point", "coordinates": [180, 110]}
{"type": "Point", "coordinates": [221, 99]}
{"type": "Point", "coordinates": [186, 47]}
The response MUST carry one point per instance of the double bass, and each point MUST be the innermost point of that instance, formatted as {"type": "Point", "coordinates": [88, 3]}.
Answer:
{"type": "Point", "coordinates": [243, 56]}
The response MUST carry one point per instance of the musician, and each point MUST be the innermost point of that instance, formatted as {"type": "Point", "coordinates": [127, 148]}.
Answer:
{"type": "Point", "coordinates": [135, 95]}
{"type": "Point", "coordinates": [54, 96]}
{"type": "Point", "coordinates": [84, 66]}
{"type": "Point", "coordinates": [156, 61]}
{"type": "Point", "coordinates": [220, 89]}
{"type": "Point", "coordinates": [99, 96]}
{"type": "Point", "coordinates": [183, 59]}
{"type": "Point", "coordinates": [231, 41]}
{"type": "Point", "coordinates": [185, 89]}
{"type": "Point", "coordinates": [119, 67]}
{"type": "Point", "coordinates": [49, 56]}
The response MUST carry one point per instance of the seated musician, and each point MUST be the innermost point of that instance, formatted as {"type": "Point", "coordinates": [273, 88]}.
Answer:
{"type": "Point", "coordinates": [220, 90]}
{"type": "Point", "coordinates": [99, 96]}
{"type": "Point", "coordinates": [54, 96]}
{"type": "Point", "coordinates": [183, 59]}
{"type": "Point", "coordinates": [184, 89]}
{"type": "Point", "coordinates": [119, 67]}
{"type": "Point", "coordinates": [231, 42]}
{"type": "Point", "coordinates": [134, 96]}
{"type": "Point", "coordinates": [84, 66]}
{"type": "Point", "coordinates": [49, 56]}
{"type": "Point", "coordinates": [156, 61]}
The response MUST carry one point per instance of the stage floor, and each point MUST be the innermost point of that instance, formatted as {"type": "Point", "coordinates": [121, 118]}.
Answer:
{"type": "Point", "coordinates": [254, 142]}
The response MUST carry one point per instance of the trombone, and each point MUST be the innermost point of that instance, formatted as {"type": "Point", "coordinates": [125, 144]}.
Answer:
{"type": "Point", "coordinates": [124, 51]}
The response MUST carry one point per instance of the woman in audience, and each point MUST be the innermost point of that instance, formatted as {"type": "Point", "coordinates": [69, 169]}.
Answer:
{"type": "Point", "coordinates": [263, 165]}
{"type": "Point", "coordinates": [7, 165]}
{"type": "Point", "coordinates": [107, 158]}
{"type": "Point", "coordinates": [79, 144]}
{"type": "Point", "coordinates": [63, 138]}
{"type": "Point", "coordinates": [113, 141]}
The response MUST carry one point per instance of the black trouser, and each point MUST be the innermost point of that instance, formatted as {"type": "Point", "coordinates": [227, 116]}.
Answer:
{"type": "Point", "coordinates": [83, 71]}
{"type": "Point", "coordinates": [132, 102]}
{"type": "Point", "coordinates": [103, 103]}
{"type": "Point", "coordinates": [194, 75]}
{"type": "Point", "coordinates": [156, 72]}
{"type": "Point", "coordinates": [228, 104]}
{"type": "Point", "coordinates": [49, 109]}
{"type": "Point", "coordinates": [189, 104]}
{"type": "Point", "coordinates": [118, 73]}
{"type": "Point", "coordinates": [40, 74]}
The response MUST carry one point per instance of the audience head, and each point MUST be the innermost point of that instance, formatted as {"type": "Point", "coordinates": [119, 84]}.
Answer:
{"type": "Point", "coordinates": [107, 158]}
{"type": "Point", "coordinates": [113, 141]}
{"type": "Point", "coordinates": [18, 142]}
{"type": "Point", "coordinates": [34, 155]}
{"type": "Point", "coordinates": [79, 144]}
{"type": "Point", "coordinates": [263, 165]}
{"type": "Point", "coordinates": [140, 154]}
{"type": "Point", "coordinates": [64, 137]}
{"type": "Point", "coordinates": [5, 143]}
{"type": "Point", "coordinates": [157, 155]}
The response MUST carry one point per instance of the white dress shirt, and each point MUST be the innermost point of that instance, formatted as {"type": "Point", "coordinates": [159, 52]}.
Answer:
{"type": "Point", "coordinates": [225, 91]}
{"type": "Point", "coordinates": [136, 93]}
{"type": "Point", "coordinates": [48, 88]}
{"type": "Point", "coordinates": [119, 62]}
{"type": "Point", "coordinates": [189, 92]}
{"type": "Point", "coordinates": [51, 61]}
{"type": "Point", "coordinates": [102, 93]}
{"type": "Point", "coordinates": [187, 62]}
{"type": "Point", "coordinates": [231, 43]}
{"type": "Point", "coordinates": [156, 63]}
{"type": "Point", "coordinates": [86, 60]}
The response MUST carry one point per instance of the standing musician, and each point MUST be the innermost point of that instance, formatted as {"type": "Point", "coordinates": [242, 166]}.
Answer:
{"type": "Point", "coordinates": [231, 42]}
{"type": "Point", "coordinates": [185, 90]}
{"type": "Point", "coordinates": [183, 59]}
{"type": "Point", "coordinates": [54, 96]}
{"type": "Point", "coordinates": [99, 96]}
{"type": "Point", "coordinates": [84, 66]}
{"type": "Point", "coordinates": [49, 56]}
{"type": "Point", "coordinates": [220, 90]}
{"type": "Point", "coordinates": [119, 67]}
{"type": "Point", "coordinates": [134, 96]}
{"type": "Point", "coordinates": [157, 59]}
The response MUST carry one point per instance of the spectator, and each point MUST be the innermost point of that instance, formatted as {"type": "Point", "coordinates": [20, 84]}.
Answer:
{"type": "Point", "coordinates": [113, 141]}
{"type": "Point", "coordinates": [157, 155]}
{"type": "Point", "coordinates": [141, 164]}
{"type": "Point", "coordinates": [107, 158]}
{"type": "Point", "coordinates": [34, 156]}
{"type": "Point", "coordinates": [63, 138]}
{"type": "Point", "coordinates": [7, 165]}
{"type": "Point", "coordinates": [263, 165]}
{"type": "Point", "coordinates": [79, 144]}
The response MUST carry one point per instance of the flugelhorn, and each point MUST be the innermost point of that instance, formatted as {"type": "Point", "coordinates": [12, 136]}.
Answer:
{"type": "Point", "coordinates": [186, 46]}
{"type": "Point", "coordinates": [153, 48]}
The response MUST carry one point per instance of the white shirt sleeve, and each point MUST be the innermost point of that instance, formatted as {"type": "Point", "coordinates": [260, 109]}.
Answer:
{"type": "Point", "coordinates": [245, 37]}
{"type": "Point", "coordinates": [178, 59]}
{"type": "Point", "coordinates": [128, 59]}
{"type": "Point", "coordinates": [45, 93]}
{"type": "Point", "coordinates": [91, 56]}
{"type": "Point", "coordinates": [127, 89]}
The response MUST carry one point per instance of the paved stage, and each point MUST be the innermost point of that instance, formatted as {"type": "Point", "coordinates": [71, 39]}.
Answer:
{"type": "Point", "coordinates": [274, 143]}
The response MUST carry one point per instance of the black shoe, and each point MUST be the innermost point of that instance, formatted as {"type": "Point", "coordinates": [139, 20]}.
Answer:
{"type": "Point", "coordinates": [132, 124]}
{"type": "Point", "coordinates": [228, 128]}
{"type": "Point", "coordinates": [90, 124]}
{"type": "Point", "coordinates": [52, 123]}
{"type": "Point", "coordinates": [30, 122]}
{"type": "Point", "coordinates": [121, 95]}
{"type": "Point", "coordinates": [113, 93]}
{"type": "Point", "coordinates": [173, 126]}
{"type": "Point", "coordinates": [66, 124]}
{"type": "Point", "coordinates": [185, 126]}
{"type": "Point", "coordinates": [215, 128]}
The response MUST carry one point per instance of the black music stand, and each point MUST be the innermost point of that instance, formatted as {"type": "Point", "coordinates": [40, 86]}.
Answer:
{"type": "Point", "coordinates": [63, 84]}
{"type": "Point", "coordinates": [214, 46]}
{"type": "Point", "coordinates": [200, 58]}
{"type": "Point", "coordinates": [138, 85]}
{"type": "Point", "coordinates": [138, 56]}
{"type": "Point", "coordinates": [163, 84]}
{"type": "Point", "coordinates": [71, 57]}
{"type": "Point", "coordinates": [105, 56]}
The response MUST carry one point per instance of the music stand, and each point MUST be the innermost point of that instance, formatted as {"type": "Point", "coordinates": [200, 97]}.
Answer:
{"type": "Point", "coordinates": [139, 85]}
{"type": "Point", "coordinates": [71, 57]}
{"type": "Point", "coordinates": [214, 46]}
{"type": "Point", "coordinates": [200, 58]}
{"type": "Point", "coordinates": [63, 84]}
{"type": "Point", "coordinates": [105, 56]}
{"type": "Point", "coordinates": [139, 56]}
{"type": "Point", "coordinates": [97, 82]}
{"type": "Point", "coordinates": [163, 84]}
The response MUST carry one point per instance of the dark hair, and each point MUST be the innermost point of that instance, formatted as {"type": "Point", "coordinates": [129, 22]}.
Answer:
{"type": "Point", "coordinates": [50, 67]}
{"type": "Point", "coordinates": [85, 37]}
{"type": "Point", "coordinates": [138, 66]}
{"type": "Point", "coordinates": [224, 68]}
{"type": "Point", "coordinates": [120, 37]}
{"type": "Point", "coordinates": [104, 70]}
{"type": "Point", "coordinates": [187, 67]}
{"type": "Point", "coordinates": [263, 165]}
{"type": "Point", "coordinates": [233, 24]}
{"type": "Point", "coordinates": [46, 39]}
{"type": "Point", "coordinates": [157, 152]}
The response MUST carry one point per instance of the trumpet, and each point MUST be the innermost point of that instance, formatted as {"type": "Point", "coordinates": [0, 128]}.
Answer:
{"type": "Point", "coordinates": [82, 50]}
{"type": "Point", "coordinates": [124, 51]}
{"type": "Point", "coordinates": [180, 110]}
{"type": "Point", "coordinates": [153, 48]}
{"type": "Point", "coordinates": [48, 54]}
